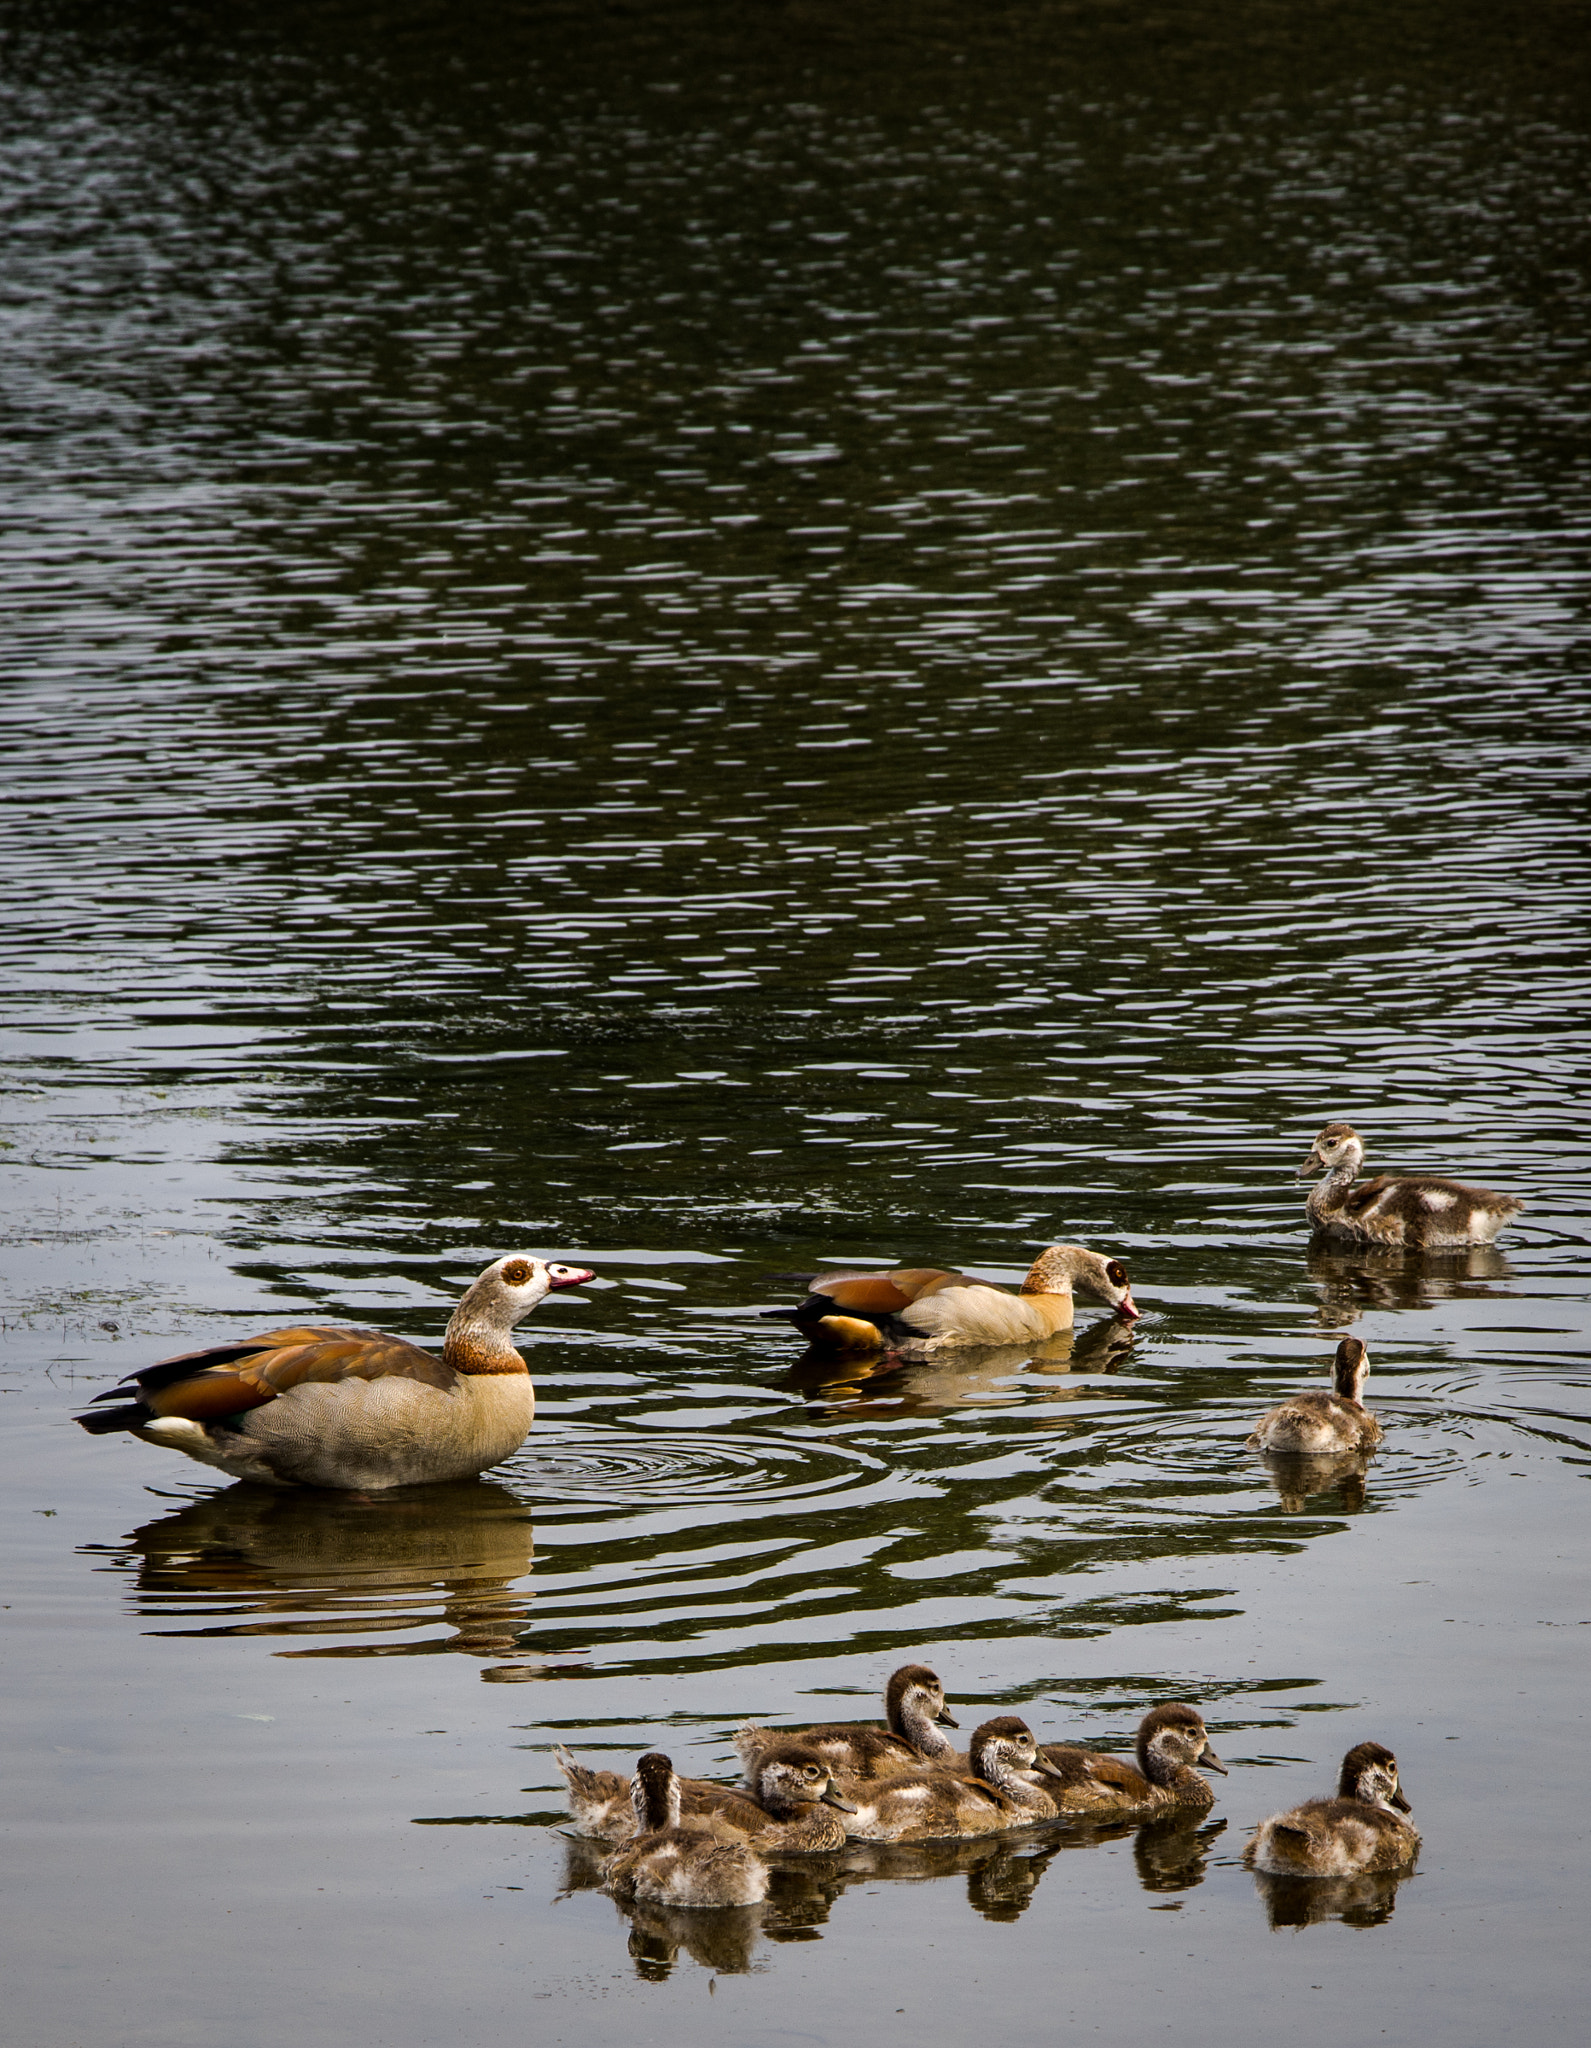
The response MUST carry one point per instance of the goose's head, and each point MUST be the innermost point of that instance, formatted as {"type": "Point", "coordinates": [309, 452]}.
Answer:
{"type": "Point", "coordinates": [1337, 1145]}
{"type": "Point", "coordinates": [1004, 1746]}
{"type": "Point", "coordinates": [1069, 1268]}
{"type": "Point", "coordinates": [1171, 1739]}
{"type": "Point", "coordinates": [1370, 1773]}
{"type": "Point", "coordinates": [790, 1776]}
{"type": "Point", "coordinates": [511, 1287]}
{"type": "Point", "coordinates": [915, 1693]}
{"type": "Point", "coordinates": [1350, 1368]}
{"type": "Point", "coordinates": [654, 1793]}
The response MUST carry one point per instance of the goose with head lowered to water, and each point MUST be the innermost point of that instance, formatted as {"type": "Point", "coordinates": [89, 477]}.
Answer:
{"type": "Point", "coordinates": [350, 1409]}
{"type": "Point", "coordinates": [931, 1308]}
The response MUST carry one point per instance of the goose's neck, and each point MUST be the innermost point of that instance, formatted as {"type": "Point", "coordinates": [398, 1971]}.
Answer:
{"type": "Point", "coordinates": [1163, 1766]}
{"type": "Point", "coordinates": [913, 1725]}
{"type": "Point", "coordinates": [478, 1339]}
{"type": "Point", "coordinates": [1326, 1197]}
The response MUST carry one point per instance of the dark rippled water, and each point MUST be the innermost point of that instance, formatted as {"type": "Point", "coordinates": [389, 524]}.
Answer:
{"type": "Point", "coordinates": [720, 639]}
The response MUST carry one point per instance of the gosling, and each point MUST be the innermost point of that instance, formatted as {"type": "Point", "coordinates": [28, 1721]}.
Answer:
{"type": "Point", "coordinates": [667, 1865]}
{"type": "Point", "coordinates": [1419, 1211]}
{"type": "Point", "coordinates": [1364, 1828]}
{"type": "Point", "coordinates": [1315, 1424]}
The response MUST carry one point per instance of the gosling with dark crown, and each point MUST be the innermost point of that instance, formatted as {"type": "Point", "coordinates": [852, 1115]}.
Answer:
{"type": "Point", "coordinates": [669, 1865]}
{"type": "Point", "coordinates": [914, 1707]}
{"type": "Point", "coordinates": [1315, 1423]}
{"type": "Point", "coordinates": [935, 1804]}
{"type": "Point", "coordinates": [1364, 1828]}
{"type": "Point", "coordinates": [1171, 1742]}
{"type": "Point", "coordinates": [792, 1809]}
{"type": "Point", "coordinates": [1419, 1211]}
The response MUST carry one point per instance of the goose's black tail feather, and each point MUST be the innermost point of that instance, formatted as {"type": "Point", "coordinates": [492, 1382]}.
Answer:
{"type": "Point", "coordinates": [101, 1421]}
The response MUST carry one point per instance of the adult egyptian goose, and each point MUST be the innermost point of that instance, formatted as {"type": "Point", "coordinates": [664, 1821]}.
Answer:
{"type": "Point", "coordinates": [914, 1708]}
{"type": "Point", "coordinates": [935, 1804]}
{"type": "Point", "coordinates": [786, 1809]}
{"type": "Point", "coordinates": [1316, 1423]}
{"type": "Point", "coordinates": [668, 1865]}
{"type": "Point", "coordinates": [935, 1309]}
{"type": "Point", "coordinates": [1417, 1210]}
{"type": "Point", "coordinates": [1171, 1741]}
{"type": "Point", "coordinates": [1363, 1828]}
{"type": "Point", "coordinates": [312, 1406]}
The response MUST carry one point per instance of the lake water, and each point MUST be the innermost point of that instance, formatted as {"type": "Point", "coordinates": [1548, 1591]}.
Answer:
{"type": "Point", "coordinates": [710, 639]}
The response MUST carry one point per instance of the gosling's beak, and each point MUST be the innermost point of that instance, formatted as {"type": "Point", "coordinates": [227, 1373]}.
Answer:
{"type": "Point", "coordinates": [1312, 1164]}
{"type": "Point", "coordinates": [1045, 1768]}
{"type": "Point", "coordinates": [947, 1717]}
{"type": "Point", "coordinates": [1211, 1762]}
{"type": "Point", "coordinates": [1128, 1309]}
{"type": "Point", "coordinates": [831, 1797]}
{"type": "Point", "coordinates": [1399, 1801]}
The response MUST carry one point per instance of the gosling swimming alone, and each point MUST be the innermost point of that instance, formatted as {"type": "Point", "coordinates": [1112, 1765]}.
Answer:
{"type": "Point", "coordinates": [1315, 1423]}
{"type": "Point", "coordinates": [1364, 1828]}
{"type": "Point", "coordinates": [1419, 1211]}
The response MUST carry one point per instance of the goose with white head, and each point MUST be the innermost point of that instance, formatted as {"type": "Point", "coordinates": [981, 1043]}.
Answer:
{"type": "Point", "coordinates": [350, 1409]}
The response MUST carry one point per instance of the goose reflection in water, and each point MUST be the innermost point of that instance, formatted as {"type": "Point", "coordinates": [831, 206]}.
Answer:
{"type": "Point", "coordinates": [1363, 1901]}
{"type": "Point", "coordinates": [1352, 1280]}
{"type": "Point", "coordinates": [971, 1376]}
{"type": "Point", "coordinates": [1299, 1479]}
{"type": "Point", "coordinates": [1002, 1874]}
{"type": "Point", "coordinates": [266, 1561]}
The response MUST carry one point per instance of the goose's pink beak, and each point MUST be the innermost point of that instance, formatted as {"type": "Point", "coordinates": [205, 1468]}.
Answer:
{"type": "Point", "coordinates": [1128, 1309]}
{"type": "Point", "coordinates": [569, 1276]}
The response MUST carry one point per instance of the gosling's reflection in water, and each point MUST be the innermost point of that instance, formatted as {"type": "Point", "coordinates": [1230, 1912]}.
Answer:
{"type": "Point", "coordinates": [966, 1375]}
{"type": "Point", "coordinates": [1002, 1874]}
{"type": "Point", "coordinates": [1389, 1276]}
{"type": "Point", "coordinates": [1298, 1479]}
{"type": "Point", "coordinates": [1363, 1901]}
{"type": "Point", "coordinates": [258, 1560]}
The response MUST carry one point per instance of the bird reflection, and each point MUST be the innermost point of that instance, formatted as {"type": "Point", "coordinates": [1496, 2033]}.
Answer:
{"type": "Point", "coordinates": [264, 1561]}
{"type": "Point", "coordinates": [1298, 1479]}
{"type": "Point", "coordinates": [1363, 1901]}
{"type": "Point", "coordinates": [1171, 1853]}
{"type": "Point", "coordinates": [963, 1376]}
{"type": "Point", "coordinates": [1002, 1874]}
{"type": "Point", "coordinates": [1352, 1280]}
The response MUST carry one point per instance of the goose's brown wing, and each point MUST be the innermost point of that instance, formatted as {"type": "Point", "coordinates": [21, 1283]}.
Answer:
{"type": "Point", "coordinates": [1093, 1767]}
{"type": "Point", "coordinates": [883, 1294]}
{"type": "Point", "coordinates": [226, 1379]}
